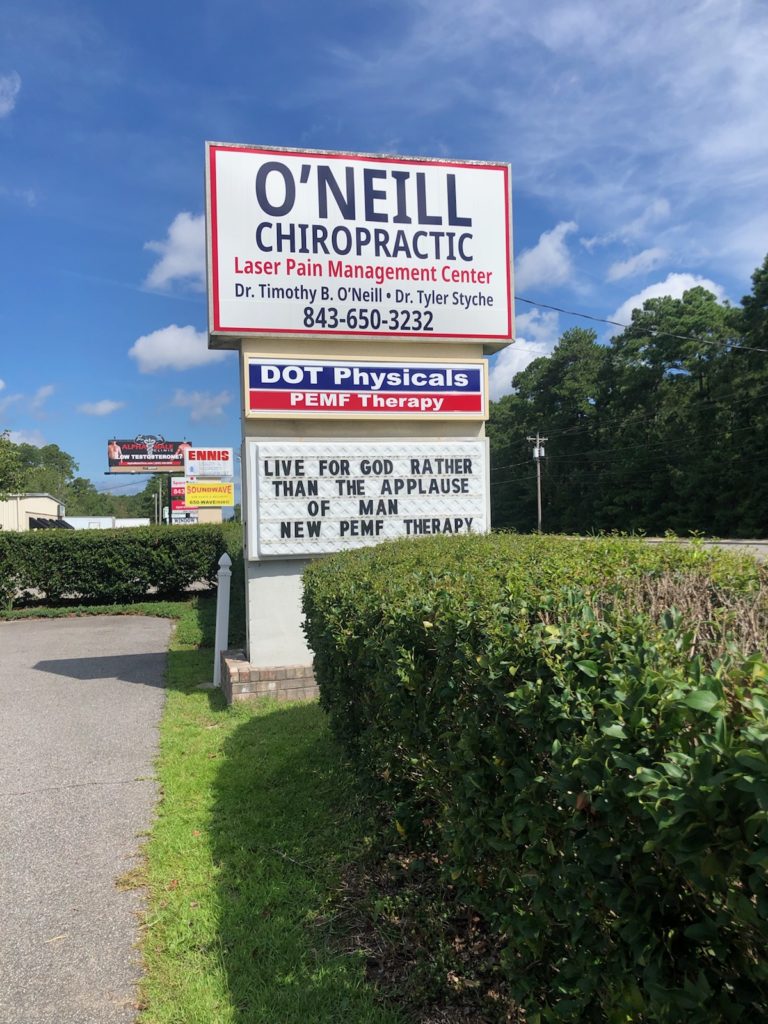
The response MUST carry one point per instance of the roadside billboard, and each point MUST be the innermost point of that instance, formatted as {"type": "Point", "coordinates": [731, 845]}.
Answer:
{"type": "Point", "coordinates": [307, 243]}
{"type": "Point", "coordinates": [210, 493]}
{"type": "Point", "coordinates": [283, 387]}
{"type": "Point", "coordinates": [211, 463]}
{"type": "Point", "coordinates": [145, 453]}
{"type": "Point", "coordinates": [178, 497]}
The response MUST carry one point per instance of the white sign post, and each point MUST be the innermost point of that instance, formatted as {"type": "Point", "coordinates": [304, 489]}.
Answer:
{"type": "Point", "coordinates": [221, 637]}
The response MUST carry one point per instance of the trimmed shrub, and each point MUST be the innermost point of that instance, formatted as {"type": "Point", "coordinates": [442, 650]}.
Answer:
{"type": "Point", "coordinates": [233, 537]}
{"type": "Point", "coordinates": [108, 565]}
{"type": "Point", "coordinates": [588, 765]}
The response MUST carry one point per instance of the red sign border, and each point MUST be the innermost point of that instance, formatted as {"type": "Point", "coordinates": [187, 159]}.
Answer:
{"type": "Point", "coordinates": [217, 329]}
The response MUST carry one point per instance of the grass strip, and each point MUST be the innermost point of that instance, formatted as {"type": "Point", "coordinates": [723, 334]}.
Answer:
{"type": "Point", "coordinates": [171, 609]}
{"type": "Point", "coordinates": [256, 823]}
{"type": "Point", "coordinates": [254, 827]}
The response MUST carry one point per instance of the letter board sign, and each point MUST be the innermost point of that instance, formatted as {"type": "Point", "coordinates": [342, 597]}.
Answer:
{"type": "Point", "coordinates": [316, 497]}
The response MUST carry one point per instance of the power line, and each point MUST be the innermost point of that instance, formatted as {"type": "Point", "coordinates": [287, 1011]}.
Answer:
{"type": "Point", "coordinates": [653, 331]}
{"type": "Point", "coordinates": [681, 458]}
{"type": "Point", "coordinates": [108, 488]}
{"type": "Point", "coordinates": [596, 452]}
{"type": "Point", "coordinates": [699, 400]}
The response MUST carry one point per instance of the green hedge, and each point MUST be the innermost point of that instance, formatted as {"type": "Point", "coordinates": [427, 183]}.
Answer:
{"type": "Point", "coordinates": [108, 565]}
{"type": "Point", "coordinates": [590, 769]}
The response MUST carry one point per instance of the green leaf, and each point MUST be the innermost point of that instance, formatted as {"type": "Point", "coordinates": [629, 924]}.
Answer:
{"type": "Point", "coordinates": [752, 759]}
{"type": "Point", "coordinates": [589, 668]}
{"type": "Point", "coordinates": [701, 700]}
{"type": "Point", "coordinates": [614, 730]}
{"type": "Point", "coordinates": [702, 931]}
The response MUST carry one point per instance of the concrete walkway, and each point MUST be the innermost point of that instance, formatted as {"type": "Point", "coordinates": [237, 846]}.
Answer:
{"type": "Point", "coordinates": [80, 702]}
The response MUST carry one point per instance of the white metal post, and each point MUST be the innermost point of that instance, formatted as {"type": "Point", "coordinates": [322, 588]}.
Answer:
{"type": "Point", "coordinates": [221, 643]}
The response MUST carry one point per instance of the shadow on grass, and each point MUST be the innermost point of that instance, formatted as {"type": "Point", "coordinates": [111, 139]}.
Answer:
{"type": "Point", "coordinates": [283, 825]}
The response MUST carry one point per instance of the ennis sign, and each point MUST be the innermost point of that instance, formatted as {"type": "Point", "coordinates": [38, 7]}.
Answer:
{"type": "Point", "coordinates": [308, 243]}
{"type": "Point", "coordinates": [215, 463]}
{"type": "Point", "coordinates": [312, 498]}
{"type": "Point", "coordinates": [359, 388]}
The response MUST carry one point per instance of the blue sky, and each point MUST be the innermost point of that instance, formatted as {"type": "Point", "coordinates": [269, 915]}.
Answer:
{"type": "Point", "coordinates": [637, 134]}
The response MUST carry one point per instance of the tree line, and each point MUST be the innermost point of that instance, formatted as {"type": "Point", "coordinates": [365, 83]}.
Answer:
{"type": "Point", "coordinates": [663, 429]}
{"type": "Point", "coordinates": [27, 468]}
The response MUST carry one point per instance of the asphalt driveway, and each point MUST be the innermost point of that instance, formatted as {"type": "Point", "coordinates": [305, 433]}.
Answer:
{"type": "Point", "coordinates": [80, 703]}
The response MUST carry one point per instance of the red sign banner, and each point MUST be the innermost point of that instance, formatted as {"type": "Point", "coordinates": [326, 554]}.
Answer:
{"type": "Point", "coordinates": [146, 453]}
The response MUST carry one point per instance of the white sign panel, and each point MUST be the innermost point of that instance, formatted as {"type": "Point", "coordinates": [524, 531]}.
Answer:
{"type": "Point", "coordinates": [313, 498]}
{"type": "Point", "coordinates": [311, 243]}
{"type": "Point", "coordinates": [184, 518]}
{"type": "Point", "coordinates": [211, 463]}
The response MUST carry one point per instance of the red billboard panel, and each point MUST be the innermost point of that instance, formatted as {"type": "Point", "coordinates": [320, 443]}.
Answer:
{"type": "Point", "coordinates": [178, 496]}
{"type": "Point", "coordinates": [146, 453]}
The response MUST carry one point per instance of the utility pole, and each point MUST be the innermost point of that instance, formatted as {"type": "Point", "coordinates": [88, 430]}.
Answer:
{"type": "Point", "coordinates": [538, 455]}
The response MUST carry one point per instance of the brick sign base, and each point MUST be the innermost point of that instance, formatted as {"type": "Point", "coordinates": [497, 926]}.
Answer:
{"type": "Point", "coordinates": [242, 681]}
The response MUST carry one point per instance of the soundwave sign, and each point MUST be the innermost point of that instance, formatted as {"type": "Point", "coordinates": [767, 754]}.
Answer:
{"type": "Point", "coordinates": [307, 243]}
{"type": "Point", "coordinates": [209, 493]}
{"type": "Point", "coordinates": [313, 498]}
{"type": "Point", "coordinates": [343, 388]}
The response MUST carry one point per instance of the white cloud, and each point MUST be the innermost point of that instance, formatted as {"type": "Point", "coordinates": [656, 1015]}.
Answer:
{"type": "Point", "coordinates": [646, 221]}
{"type": "Point", "coordinates": [540, 326]}
{"type": "Point", "coordinates": [8, 401]}
{"type": "Point", "coordinates": [40, 397]}
{"type": "Point", "coordinates": [657, 210]}
{"type": "Point", "coordinates": [27, 437]}
{"type": "Point", "coordinates": [182, 254]}
{"type": "Point", "coordinates": [595, 111]}
{"type": "Point", "coordinates": [548, 262]}
{"type": "Point", "coordinates": [34, 404]}
{"type": "Point", "coordinates": [102, 408]}
{"type": "Point", "coordinates": [10, 86]}
{"type": "Point", "coordinates": [673, 285]}
{"type": "Point", "coordinates": [640, 263]}
{"type": "Point", "coordinates": [28, 196]}
{"type": "Point", "coordinates": [741, 240]}
{"type": "Point", "coordinates": [202, 404]}
{"type": "Point", "coordinates": [541, 335]}
{"type": "Point", "coordinates": [175, 348]}
{"type": "Point", "coordinates": [510, 361]}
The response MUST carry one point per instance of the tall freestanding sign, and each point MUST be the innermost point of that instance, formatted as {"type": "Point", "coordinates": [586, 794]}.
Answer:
{"type": "Point", "coordinates": [362, 292]}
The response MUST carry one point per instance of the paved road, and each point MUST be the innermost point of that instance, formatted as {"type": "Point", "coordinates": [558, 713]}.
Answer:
{"type": "Point", "coordinates": [80, 701]}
